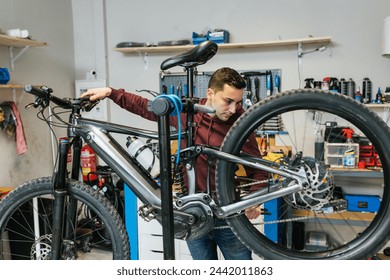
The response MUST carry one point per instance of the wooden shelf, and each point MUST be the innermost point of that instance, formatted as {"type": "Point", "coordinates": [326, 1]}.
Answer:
{"type": "Point", "coordinates": [19, 42]}
{"type": "Point", "coordinates": [346, 215]}
{"type": "Point", "coordinates": [263, 44]}
{"type": "Point", "coordinates": [14, 42]}
{"type": "Point", "coordinates": [11, 86]}
{"type": "Point", "coordinates": [380, 106]}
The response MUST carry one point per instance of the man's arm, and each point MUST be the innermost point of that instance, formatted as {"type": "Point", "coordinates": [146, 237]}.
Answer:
{"type": "Point", "coordinates": [129, 101]}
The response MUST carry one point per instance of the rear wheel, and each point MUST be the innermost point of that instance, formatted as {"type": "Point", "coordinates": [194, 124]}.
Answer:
{"type": "Point", "coordinates": [95, 230]}
{"type": "Point", "coordinates": [344, 212]}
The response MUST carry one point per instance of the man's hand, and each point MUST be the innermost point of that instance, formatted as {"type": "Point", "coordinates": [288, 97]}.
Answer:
{"type": "Point", "coordinates": [97, 93]}
{"type": "Point", "coordinates": [253, 213]}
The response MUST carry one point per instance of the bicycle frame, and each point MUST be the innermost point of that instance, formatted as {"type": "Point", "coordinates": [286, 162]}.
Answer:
{"type": "Point", "coordinates": [98, 135]}
{"type": "Point", "coordinates": [193, 214]}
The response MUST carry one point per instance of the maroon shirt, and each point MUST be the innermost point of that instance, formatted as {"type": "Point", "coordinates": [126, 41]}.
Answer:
{"type": "Point", "coordinates": [209, 130]}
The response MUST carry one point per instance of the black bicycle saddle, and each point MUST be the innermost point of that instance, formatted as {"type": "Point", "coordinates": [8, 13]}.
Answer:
{"type": "Point", "coordinates": [192, 58]}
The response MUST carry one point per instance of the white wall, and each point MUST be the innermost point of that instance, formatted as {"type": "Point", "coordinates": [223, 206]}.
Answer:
{"type": "Point", "coordinates": [355, 28]}
{"type": "Point", "coordinates": [53, 65]}
{"type": "Point", "coordinates": [354, 25]}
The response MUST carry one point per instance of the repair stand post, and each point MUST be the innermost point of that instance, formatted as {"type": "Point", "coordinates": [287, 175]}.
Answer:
{"type": "Point", "coordinates": [166, 187]}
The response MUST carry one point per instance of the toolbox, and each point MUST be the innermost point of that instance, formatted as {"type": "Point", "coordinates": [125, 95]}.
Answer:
{"type": "Point", "coordinates": [218, 37]}
{"type": "Point", "coordinates": [362, 203]}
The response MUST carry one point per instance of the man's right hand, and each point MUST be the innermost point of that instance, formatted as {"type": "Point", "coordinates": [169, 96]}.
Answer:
{"type": "Point", "coordinates": [97, 93]}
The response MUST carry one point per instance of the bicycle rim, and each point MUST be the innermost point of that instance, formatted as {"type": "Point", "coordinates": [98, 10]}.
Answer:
{"type": "Point", "coordinates": [344, 212]}
{"type": "Point", "coordinates": [96, 230]}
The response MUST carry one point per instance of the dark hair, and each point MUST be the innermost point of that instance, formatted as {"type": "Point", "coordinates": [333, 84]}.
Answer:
{"type": "Point", "coordinates": [226, 76]}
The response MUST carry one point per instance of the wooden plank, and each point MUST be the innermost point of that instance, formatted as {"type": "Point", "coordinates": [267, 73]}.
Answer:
{"type": "Point", "coordinates": [19, 42]}
{"type": "Point", "coordinates": [346, 215]}
{"type": "Point", "coordinates": [273, 43]}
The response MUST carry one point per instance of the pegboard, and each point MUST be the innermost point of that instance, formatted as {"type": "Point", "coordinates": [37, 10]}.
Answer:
{"type": "Point", "coordinates": [171, 83]}
{"type": "Point", "coordinates": [176, 83]}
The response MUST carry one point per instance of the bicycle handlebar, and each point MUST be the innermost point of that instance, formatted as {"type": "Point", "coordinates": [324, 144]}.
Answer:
{"type": "Point", "coordinates": [45, 94]}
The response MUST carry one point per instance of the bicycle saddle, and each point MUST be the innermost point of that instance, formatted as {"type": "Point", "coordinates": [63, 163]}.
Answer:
{"type": "Point", "coordinates": [192, 58]}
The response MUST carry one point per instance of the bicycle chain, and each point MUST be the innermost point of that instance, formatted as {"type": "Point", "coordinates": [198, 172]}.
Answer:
{"type": "Point", "coordinates": [290, 219]}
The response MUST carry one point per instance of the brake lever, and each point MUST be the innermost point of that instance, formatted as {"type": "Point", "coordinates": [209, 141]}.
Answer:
{"type": "Point", "coordinates": [38, 102]}
{"type": "Point", "coordinates": [90, 105]}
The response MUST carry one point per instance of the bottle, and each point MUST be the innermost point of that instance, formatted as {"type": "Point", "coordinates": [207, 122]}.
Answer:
{"type": "Point", "coordinates": [349, 152]}
{"type": "Point", "coordinates": [379, 96]}
{"type": "Point", "coordinates": [367, 89]}
{"type": "Point", "coordinates": [358, 96]}
{"type": "Point", "coordinates": [317, 84]}
{"type": "Point", "coordinates": [319, 147]}
{"type": "Point", "coordinates": [309, 82]}
{"type": "Point", "coordinates": [334, 85]}
{"type": "Point", "coordinates": [343, 86]}
{"type": "Point", "coordinates": [140, 151]}
{"type": "Point", "coordinates": [325, 83]}
{"type": "Point", "coordinates": [387, 95]}
{"type": "Point", "coordinates": [351, 88]}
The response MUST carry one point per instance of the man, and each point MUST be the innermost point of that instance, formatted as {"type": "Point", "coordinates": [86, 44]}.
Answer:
{"type": "Point", "coordinates": [224, 94]}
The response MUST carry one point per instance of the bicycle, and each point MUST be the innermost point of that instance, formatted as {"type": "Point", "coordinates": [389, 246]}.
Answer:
{"type": "Point", "coordinates": [43, 215]}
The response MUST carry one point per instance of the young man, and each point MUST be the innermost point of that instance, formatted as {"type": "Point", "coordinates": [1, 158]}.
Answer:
{"type": "Point", "coordinates": [224, 94]}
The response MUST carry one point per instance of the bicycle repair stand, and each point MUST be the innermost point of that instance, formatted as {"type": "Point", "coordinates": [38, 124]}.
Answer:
{"type": "Point", "coordinates": [163, 108]}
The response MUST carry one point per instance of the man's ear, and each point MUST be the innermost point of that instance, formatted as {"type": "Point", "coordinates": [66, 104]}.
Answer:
{"type": "Point", "coordinates": [209, 93]}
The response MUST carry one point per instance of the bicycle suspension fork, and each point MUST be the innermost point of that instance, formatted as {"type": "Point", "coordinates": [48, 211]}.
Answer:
{"type": "Point", "coordinates": [59, 200]}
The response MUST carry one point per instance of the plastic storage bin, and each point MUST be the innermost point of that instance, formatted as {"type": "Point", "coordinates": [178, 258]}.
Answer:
{"type": "Point", "coordinates": [334, 153]}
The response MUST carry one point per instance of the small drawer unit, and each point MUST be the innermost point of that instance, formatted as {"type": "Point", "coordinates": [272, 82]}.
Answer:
{"type": "Point", "coordinates": [335, 152]}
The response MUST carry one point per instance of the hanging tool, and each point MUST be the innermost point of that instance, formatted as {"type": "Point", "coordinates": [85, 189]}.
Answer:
{"type": "Point", "coordinates": [277, 84]}
{"type": "Point", "coordinates": [171, 89]}
{"type": "Point", "coordinates": [257, 88]}
{"type": "Point", "coordinates": [179, 90]}
{"type": "Point", "coordinates": [164, 89]}
{"type": "Point", "coordinates": [268, 82]}
{"type": "Point", "coordinates": [249, 96]}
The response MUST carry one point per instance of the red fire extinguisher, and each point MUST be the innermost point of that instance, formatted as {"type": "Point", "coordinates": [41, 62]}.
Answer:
{"type": "Point", "coordinates": [88, 164]}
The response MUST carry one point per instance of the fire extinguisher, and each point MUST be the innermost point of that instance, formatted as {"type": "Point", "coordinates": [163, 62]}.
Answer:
{"type": "Point", "coordinates": [88, 164]}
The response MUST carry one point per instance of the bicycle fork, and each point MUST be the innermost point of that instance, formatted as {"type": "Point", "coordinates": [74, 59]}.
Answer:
{"type": "Point", "coordinates": [59, 200]}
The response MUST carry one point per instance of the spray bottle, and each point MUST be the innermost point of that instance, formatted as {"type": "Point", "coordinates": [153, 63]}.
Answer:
{"type": "Point", "coordinates": [349, 152]}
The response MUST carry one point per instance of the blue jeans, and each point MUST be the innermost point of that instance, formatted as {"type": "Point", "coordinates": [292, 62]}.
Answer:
{"type": "Point", "coordinates": [205, 248]}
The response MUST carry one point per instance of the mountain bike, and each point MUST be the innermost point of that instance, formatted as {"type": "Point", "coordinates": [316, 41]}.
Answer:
{"type": "Point", "coordinates": [306, 201]}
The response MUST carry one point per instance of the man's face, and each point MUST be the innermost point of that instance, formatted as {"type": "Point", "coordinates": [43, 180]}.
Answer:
{"type": "Point", "coordinates": [224, 102]}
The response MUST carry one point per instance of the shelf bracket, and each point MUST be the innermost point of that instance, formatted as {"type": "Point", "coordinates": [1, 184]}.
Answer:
{"type": "Point", "coordinates": [144, 58]}
{"type": "Point", "coordinates": [12, 58]}
{"type": "Point", "coordinates": [300, 53]}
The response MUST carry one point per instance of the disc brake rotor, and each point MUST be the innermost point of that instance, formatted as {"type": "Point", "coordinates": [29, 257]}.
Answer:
{"type": "Point", "coordinates": [41, 248]}
{"type": "Point", "coordinates": [319, 191]}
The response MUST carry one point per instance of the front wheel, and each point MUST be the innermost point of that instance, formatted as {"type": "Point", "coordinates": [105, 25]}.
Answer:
{"type": "Point", "coordinates": [93, 228]}
{"type": "Point", "coordinates": [343, 212]}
